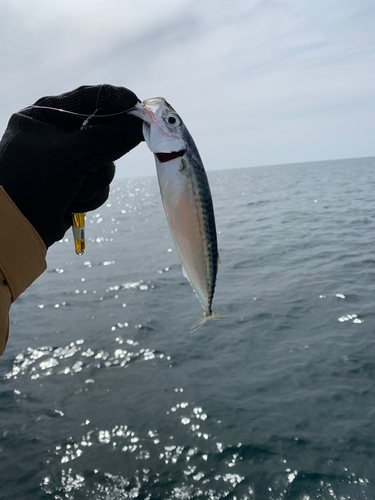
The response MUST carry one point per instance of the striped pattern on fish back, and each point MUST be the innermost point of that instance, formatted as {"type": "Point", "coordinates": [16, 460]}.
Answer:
{"type": "Point", "coordinates": [209, 228]}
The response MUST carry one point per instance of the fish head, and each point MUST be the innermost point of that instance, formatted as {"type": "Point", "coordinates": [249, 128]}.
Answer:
{"type": "Point", "coordinates": [163, 134]}
{"type": "Point", "coordinates": [163, 128]}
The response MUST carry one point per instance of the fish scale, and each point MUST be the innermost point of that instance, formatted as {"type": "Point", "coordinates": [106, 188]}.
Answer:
{"type": "Point", "coordinates": [208, 218]}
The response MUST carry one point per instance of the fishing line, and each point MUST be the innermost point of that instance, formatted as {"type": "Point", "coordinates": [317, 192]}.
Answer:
{"type": "Point", "coordinates": [86, 122]}
{"type": "Point", "coordinates": [87, 117]}
{"type": "Point", "coordinates": [35, 106]}
{"type": "Point", "coordinates": [81, 115]}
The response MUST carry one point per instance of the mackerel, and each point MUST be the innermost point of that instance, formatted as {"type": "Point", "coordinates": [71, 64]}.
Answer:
{"type": "Point", "coordinates": [186, 198]}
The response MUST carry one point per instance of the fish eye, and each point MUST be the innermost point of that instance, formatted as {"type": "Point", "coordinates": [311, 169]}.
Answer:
{"type": "Point", "coordinates": [172, 119]}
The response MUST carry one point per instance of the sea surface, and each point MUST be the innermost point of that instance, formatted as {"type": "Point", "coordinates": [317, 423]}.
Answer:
{"type": "Point", "coordinates": [105, 394]}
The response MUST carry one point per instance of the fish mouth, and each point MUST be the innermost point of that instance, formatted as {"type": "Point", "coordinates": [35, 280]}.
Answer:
{"type": "Point", "coordinates": [164, 157]}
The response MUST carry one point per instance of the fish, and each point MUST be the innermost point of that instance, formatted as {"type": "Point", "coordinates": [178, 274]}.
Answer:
{"type": "Point", "coordinates": [186, 198]}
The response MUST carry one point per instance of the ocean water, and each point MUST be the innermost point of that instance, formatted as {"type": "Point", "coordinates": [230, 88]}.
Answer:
{"type": "Point", "coordinates": [105, 394]}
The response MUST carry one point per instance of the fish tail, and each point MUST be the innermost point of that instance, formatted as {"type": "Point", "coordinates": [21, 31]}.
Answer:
{"type": "Point", "coordinates": [204, 318]}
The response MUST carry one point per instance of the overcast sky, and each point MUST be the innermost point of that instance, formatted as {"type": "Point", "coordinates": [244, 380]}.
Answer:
{"type": "Point", "coordinates": [257, 82]}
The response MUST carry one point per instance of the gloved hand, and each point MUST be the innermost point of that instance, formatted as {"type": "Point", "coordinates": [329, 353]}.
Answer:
{"type": "Point", "coordinates": [50, 168]}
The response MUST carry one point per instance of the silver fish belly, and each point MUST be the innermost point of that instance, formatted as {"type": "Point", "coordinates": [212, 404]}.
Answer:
{"type": "Point", "coordinates": [187, 202]}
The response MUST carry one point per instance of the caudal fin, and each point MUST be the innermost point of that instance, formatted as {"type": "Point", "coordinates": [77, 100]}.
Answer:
{"type": "Point", "coordinates": [204, 318]}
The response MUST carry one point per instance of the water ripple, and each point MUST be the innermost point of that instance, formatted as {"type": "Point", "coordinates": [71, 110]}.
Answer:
{"type": "Point", "coordinates": [105, 394]}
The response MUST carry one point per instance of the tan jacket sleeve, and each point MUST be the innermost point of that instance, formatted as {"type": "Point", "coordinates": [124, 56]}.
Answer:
{"type": "Point", "coordinates": [22, 259]}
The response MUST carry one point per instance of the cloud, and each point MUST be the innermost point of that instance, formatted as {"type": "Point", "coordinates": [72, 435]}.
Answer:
{"type": "Point", "coordinates": [256, 81]}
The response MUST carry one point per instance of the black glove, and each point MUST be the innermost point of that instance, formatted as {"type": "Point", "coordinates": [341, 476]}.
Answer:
{"type": "Point", "coordinates": [50, 168]}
